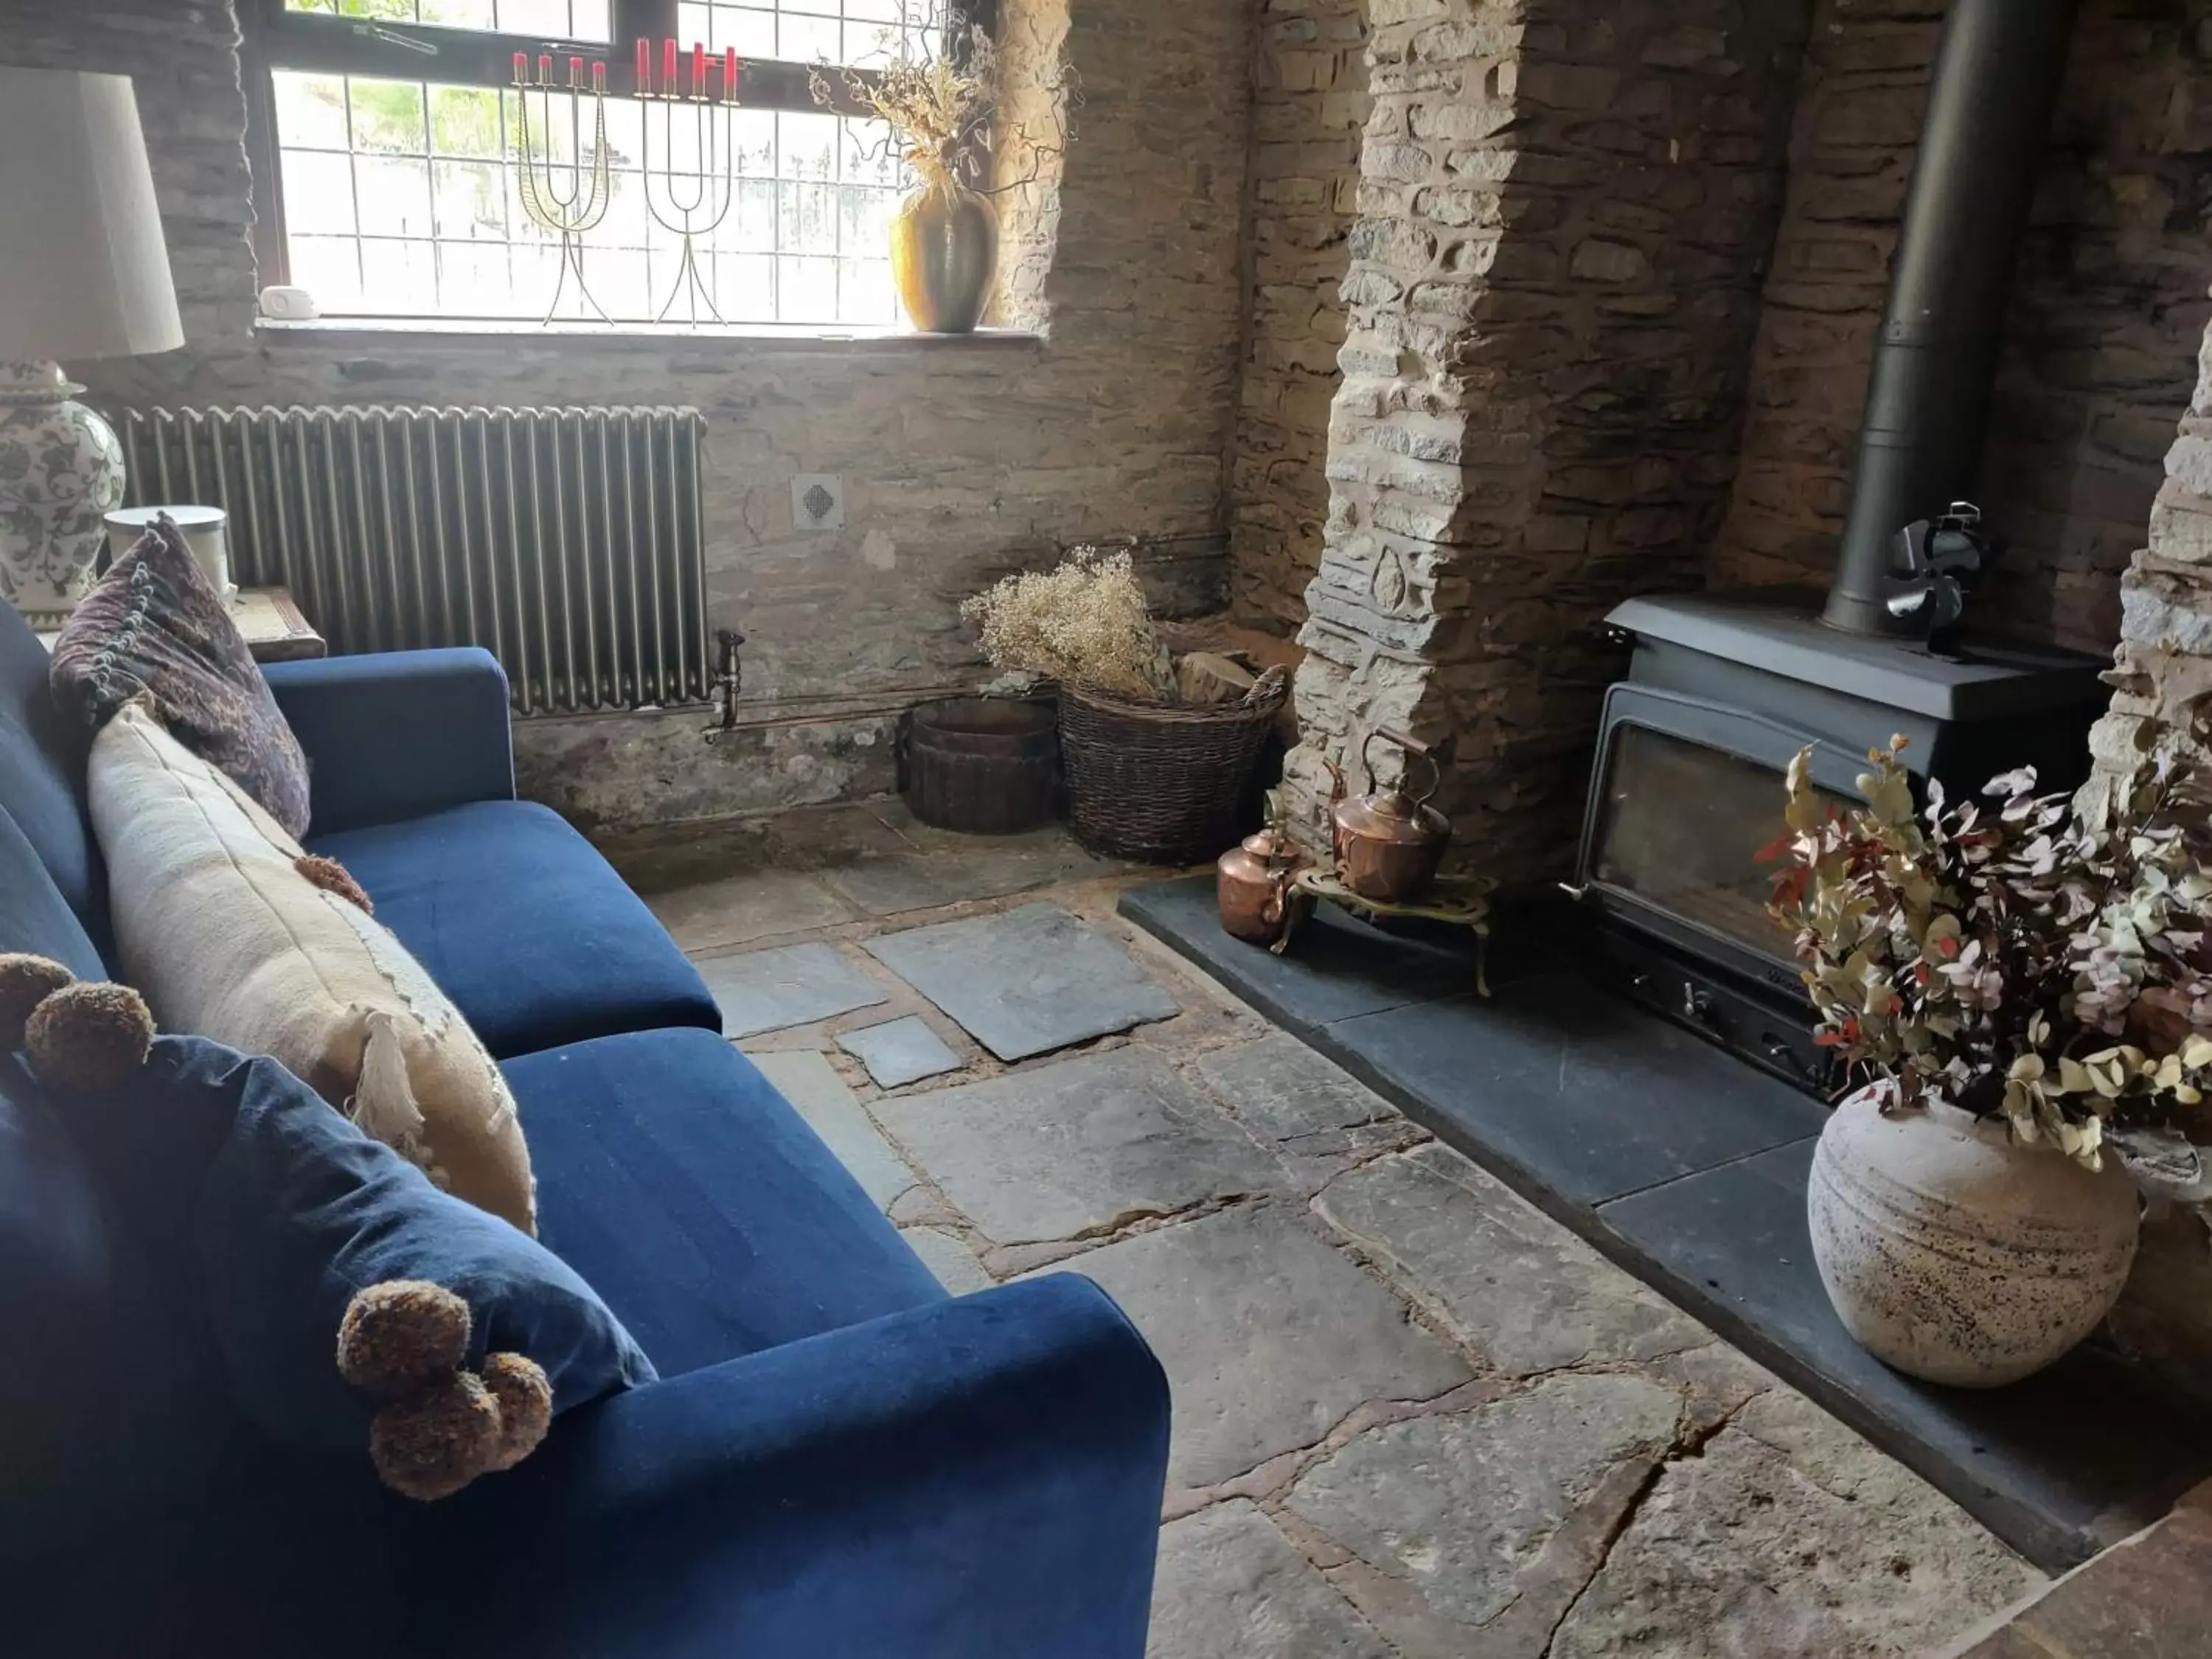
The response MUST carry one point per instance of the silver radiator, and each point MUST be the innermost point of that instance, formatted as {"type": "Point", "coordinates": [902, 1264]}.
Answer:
{"type": "Point", "coordinates": [568, 542]}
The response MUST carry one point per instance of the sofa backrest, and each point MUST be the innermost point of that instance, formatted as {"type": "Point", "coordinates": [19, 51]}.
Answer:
{"type": "Point", "coordinates": [42, 763]}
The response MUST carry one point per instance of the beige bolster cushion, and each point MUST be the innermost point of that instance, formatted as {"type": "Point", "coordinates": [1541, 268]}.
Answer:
{"type": "Point", "coordinates": [226, 939]}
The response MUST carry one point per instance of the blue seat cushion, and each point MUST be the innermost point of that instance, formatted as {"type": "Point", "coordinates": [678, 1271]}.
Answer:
{"type": "Point", "coordinates": [524, 925]}
{"type": "Point", "coordinates": [110, 1408]}
{"type": "Point", "coordinates": [690, 1194]}
{"type": "Point", "coordinates": [42, 758]}
{"type": "Point", "coordinates": [34, 916]}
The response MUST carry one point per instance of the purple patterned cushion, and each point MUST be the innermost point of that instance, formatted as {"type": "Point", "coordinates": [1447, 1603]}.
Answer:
{"type": "Point", "coordinates": [154, 623]}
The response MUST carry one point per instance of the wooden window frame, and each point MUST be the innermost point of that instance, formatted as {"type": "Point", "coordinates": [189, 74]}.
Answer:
{"type": "Point", "coordinates": [273, 38]}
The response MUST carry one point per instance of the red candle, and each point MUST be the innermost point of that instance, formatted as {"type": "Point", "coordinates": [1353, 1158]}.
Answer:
{"type": "Point", "coordinates": [521, 69]}
{"type": "Point", "coordinates": [698, 70]}
{"type": "Point", "coordinates": [644, 70]}
{"type": "Point", "coordinates": [668, 68]}
{"type": "Point", "coordinates": [544, 71]}
{"type": "Point", "coordinates": [730, 76]}
{"type": "Point", "coordinates": [598, 77]}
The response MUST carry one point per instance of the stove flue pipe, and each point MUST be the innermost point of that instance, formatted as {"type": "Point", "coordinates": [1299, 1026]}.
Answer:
{"type": "Point", "coordinates": [1990, 108]}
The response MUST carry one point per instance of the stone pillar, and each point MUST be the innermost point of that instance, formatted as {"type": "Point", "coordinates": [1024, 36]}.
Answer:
{"type": "Point", "coordinates": [1563, 209]}
{"type": "Point", "coordinates": [2161, 678]}
{"type": "Point", "coordinates": [2161, 674]}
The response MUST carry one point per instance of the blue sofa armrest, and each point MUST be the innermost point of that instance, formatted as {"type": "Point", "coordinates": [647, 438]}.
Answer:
{"type": "Point", "coordinates": [974, 1478]}
{"type": "Point", "coordinates": [399, 733]}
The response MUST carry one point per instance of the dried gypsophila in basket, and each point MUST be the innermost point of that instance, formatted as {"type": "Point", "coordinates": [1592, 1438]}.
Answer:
{"type": "Point", "coordinates": [2013, 958]}
{"type": "Point", "coordinates": [1084, 623]}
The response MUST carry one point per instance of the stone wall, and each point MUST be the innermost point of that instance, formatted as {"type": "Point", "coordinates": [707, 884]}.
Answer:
{"type": "Point", "coordinates": [1563, 213]}
{"type": "Point", "coordinates": [1308, 103]}
{"type": "Point", "coordinates": [960, 458]}
{"type": "Point", "coordinates": [2110, 303]}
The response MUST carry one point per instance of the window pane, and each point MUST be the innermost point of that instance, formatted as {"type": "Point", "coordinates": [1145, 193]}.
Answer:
{"type": "Point", "coordinates": [318, 191]}
{"type": "Point", "coordinates": [469, 201]}
{"type": "Point", "coordinates": [388, 115]}
{"type": "Point", "coordinates": [465, 121]}
{"type": "Point", "coordinates": [460, 14]}
{"type": "Point", "coordinates": [546, 17]}
{"type": "Point", "coordinates": [392, 195]}
{"type": "Point", "coordinates": [398, 277]}
{"type": "Point", "coordinates": [328, 267]}
{"type": "Point", "coordinates": [807, 290]}
{"type": "Point", "coordinates": [560, 20]}
{"type": "Point", "coordinates": [394, 11]}
{"type": "Point", "coordinates": [311, 111]}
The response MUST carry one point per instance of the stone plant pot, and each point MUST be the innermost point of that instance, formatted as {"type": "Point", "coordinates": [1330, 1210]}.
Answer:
{"type": "Point", "coordinates": [1956, 1255]}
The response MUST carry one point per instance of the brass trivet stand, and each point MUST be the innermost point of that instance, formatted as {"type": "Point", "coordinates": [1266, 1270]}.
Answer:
{"type": "Point", "coordinates": [1455, 901]}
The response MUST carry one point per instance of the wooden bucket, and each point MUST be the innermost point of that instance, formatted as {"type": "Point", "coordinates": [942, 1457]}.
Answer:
{"type": "Point", "coordinates": [987, 766]}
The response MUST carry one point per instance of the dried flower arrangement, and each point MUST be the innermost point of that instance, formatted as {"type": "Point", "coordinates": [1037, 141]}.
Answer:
{"type": "Point", "coordinates": [2013, 958]}
{"type": "Point", "coordinates": [1084, 623]}
{"type": "Point", "coordinates": [948, 111]}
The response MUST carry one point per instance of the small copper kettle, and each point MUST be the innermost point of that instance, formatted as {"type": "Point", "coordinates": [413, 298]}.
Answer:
{"type": "Point", "coordinates": [1252, 884]}
{"type": "Point", "coordinates": [1388, 843]}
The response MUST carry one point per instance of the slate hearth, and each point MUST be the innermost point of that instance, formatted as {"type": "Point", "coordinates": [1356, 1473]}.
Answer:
{"type": "Point", "coordinates": [1688, 1168]}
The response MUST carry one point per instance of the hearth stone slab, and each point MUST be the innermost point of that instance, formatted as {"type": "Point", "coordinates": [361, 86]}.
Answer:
{"type": "Point", "coordinates": [899, 1052]}
{"type": "Point", "coordinates": [1026, 982]}
{"type": "Point", "coordinates": [792, 984]}
{"type": "Point", "coordinates": [1582, 1097]}
{"type": "Point", "coordinates": [1076, 1147]}
{"type": "Point", "coordinates": [1269, 1336]}
{"type": "Point", "coordinates": [2060, 1465]}
{"type": "Point", "coordinates": [1230, 1586]}
{"type": "Point", "coordinates": [1340, 967]}
{"type": "Point", "coordinates": [2057, 1468]}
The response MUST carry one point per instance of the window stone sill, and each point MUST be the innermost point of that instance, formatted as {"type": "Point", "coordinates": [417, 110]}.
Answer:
{"type": "Point", "coordinates": [374, 334]}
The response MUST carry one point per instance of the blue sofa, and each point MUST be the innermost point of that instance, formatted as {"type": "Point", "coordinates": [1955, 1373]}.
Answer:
{"type": "Point", "coordinates": [839, 1460]}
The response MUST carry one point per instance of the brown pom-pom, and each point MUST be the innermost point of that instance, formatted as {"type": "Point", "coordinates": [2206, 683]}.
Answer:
{"type": "Point", "coordinates": [25, 982]}
{"type": "Point", "coordinates": [84, 1038]}
{"type": "Point", "coordinates": [401, 1336]}
{"type": "Point", "coordinates": [334, 877]}
{"type": "Point", "coordinates": [431, 1444]}
{"type": "Point", "coordinates": [525, 1405]}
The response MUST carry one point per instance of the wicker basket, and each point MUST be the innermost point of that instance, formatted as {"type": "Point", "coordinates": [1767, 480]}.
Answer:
{"type": "Point", "coordinates": [1160, 783]}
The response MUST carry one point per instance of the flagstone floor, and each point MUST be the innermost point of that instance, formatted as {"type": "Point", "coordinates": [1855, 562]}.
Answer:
{"type": "Point", "coordinates": [1414, 1418]}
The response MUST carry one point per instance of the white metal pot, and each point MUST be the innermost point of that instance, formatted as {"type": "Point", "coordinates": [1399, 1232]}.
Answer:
{"type": "Point", "coordinates": [1957, 1256]}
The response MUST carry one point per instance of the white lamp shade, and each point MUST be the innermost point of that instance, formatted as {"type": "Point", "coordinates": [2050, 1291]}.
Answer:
{"type": "Point", "coordinates": [84, 271]}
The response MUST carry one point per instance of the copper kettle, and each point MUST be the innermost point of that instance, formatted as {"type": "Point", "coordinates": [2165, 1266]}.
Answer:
{"type": "Point", "coordinates": [1388, 843]}
{"type": "Point", "coordinates": [1252, 883]}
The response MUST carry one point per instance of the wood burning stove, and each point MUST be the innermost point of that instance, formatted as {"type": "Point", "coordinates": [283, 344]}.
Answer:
{"type": "Point", "coordinates": [1721, 692]}
{"type": "Point", "coordinates": [1687, 786]}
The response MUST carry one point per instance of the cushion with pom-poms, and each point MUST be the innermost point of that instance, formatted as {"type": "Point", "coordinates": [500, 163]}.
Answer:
{"type": "Point", "coordinates": [338, 1282]}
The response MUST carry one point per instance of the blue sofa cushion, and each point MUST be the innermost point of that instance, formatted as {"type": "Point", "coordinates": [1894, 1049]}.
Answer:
{"type": "Point", "coordinates": [523, 925]}
{"type": "Point", "coordinates": [674, 1177]}
{"type": "Point", "coordinates": [42, 756]}
{"type": "Point", "coordinates": [109, 1410]}
{"type": "Point", "coordinates": [33, 914]}
{"type": "Point", "coordinates": [284, 1209]}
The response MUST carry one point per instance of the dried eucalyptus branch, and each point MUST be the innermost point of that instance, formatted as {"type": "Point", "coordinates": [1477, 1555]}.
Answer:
{"type": "Point", "coordinates": [2008, 957]}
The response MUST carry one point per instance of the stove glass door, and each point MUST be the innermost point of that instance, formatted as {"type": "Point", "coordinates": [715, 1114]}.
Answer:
{"type": "Point", "coordinates": [1680, 828]}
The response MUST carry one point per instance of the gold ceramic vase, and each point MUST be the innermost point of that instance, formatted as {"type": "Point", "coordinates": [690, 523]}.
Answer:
{"type": "Point", "coordinates": [944, 249]}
